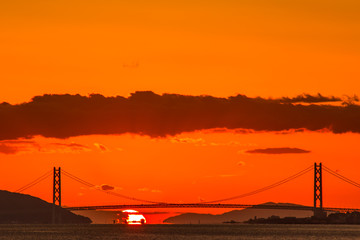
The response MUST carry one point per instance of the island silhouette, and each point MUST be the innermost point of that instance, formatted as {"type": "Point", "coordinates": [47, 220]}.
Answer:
{"type": "Point", "coordinates": [25, 209]}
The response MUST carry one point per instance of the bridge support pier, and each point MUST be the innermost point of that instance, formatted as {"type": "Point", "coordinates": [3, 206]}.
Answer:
{"type": "Point", "coordinates": [56, 211]}
{"type": "Point", "coordinates": [318, 196]}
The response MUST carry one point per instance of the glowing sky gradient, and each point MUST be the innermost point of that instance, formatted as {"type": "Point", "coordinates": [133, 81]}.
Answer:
{"type": "Point", "coordinates": [258, 48]}
{"type": "Point", "coordinates": [266, 48]}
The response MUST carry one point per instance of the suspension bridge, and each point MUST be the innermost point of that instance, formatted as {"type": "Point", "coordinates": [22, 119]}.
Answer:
{"type": "Point", "coordinates": [318, 208]}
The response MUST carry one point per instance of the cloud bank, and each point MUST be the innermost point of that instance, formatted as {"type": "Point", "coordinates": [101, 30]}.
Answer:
{"type": "Point", "coordinates": [278, 150]}
{"type": "Point", "coordinates": [147, 113]}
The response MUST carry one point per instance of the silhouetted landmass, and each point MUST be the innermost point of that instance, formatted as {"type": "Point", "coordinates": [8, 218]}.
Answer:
{"type": "Point", "coordinates": [21, 208]}
{"type": "Point", "coordinates": [147, 113]}
{"type": "Point", "coordinates": [334, 218]}
{"type": "Point", "coordinates": [237, 215]}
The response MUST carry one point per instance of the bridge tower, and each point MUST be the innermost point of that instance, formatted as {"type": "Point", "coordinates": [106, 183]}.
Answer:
{"type": "Point", "coordinates": [318, 196]}
{"type": "Point", "coordinates": [56, 213]}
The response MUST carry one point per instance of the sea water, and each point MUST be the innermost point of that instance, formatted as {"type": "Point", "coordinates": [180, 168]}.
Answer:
{"type": "Point", "coordinates": [178, 232]}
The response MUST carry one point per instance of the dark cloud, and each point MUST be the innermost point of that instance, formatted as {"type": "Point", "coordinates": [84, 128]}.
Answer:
{"type": "Point", "coordinates": [146, 113]}
{"type": "Point", "coordinates": [307, 98]}
{"type": "Point", "coordinates": [107, 187]}
{"type": "Point", "coordinates": [278, 150]}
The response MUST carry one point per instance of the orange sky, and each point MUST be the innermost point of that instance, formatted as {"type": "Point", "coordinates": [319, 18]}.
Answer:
{"type": "Point", "coordinates": [270, 48]}
{"type": "Point", "coordinates": [259, 48]}
{"type": "Point", "coordinates": [188, 168]}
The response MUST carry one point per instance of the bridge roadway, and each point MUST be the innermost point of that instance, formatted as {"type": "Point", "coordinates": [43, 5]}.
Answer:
{"type": "Point", "coordinates": [207, 205]}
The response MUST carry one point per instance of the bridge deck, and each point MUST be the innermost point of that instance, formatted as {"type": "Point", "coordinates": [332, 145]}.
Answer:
{"type": "Point", "coordinates": [205, 205]}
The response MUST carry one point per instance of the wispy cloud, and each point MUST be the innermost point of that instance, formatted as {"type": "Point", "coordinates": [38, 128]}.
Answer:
{"type": "Point", "coordinates": [241, 163]}
{"type": "Point", "coordinates": [6, 149]}
{"type": "Point", "coordinates": [17, 146]}
{"type": "Point", "coordinates": [145, 189]}
{"type": "Point", "coordinates": [28, 146]}
{"type": "Point", "coordinates": [227, 175]}
{"type": "Point", "coordinates": [72, 146]}
{"type": "Point", "coordinates": [196, 141]}
{"type": "Point", "coordinates": [101, 147]}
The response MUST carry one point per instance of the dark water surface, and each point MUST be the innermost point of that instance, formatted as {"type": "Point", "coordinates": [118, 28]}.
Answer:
{"type": "Point", "coordinates": [175, 232]}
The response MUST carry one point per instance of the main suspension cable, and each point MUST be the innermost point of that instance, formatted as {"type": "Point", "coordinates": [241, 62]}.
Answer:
{"type": "Point", "coordinates": [77, 179]}
{"type": "Point", "coordinates": [299, 174]}
{"type": "Point", "coordinates": [33, 183]}
{"type": "Point", "coordinates": [338, 175]}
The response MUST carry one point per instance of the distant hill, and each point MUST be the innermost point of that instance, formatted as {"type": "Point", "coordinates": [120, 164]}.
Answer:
{"type": "Point", "coordinates": [237, 215]}
{"type": "Point", "coordinates": [21, 208]}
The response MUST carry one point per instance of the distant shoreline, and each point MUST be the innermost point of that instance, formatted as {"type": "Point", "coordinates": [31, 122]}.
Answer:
{"type": "Point", "coordinates": [333, 218]}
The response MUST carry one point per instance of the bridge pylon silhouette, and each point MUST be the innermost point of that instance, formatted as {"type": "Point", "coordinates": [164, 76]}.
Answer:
{"type": "Point", "coordinates": [318, 190]}
{"type": "Point", "coordinates": [56, 211]}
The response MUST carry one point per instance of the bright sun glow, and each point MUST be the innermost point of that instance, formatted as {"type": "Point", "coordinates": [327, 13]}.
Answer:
{"type": "Point", "coordinates": [130, 211]}
{"type": "Point", "coordinates": [133, 217]}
